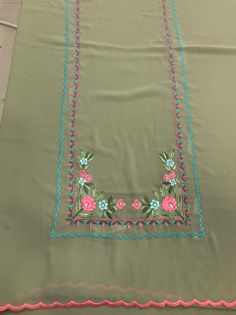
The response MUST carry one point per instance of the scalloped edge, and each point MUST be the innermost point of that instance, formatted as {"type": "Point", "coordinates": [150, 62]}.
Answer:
{"type": "Point", "coordinates": [122, 303]}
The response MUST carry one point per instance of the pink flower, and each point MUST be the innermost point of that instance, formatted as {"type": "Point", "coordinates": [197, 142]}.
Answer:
{"type": "Point", "coordinates": [136, 204]}
{"type": "Point", "coordinates": [169, 204]}
{"type": "Point", "coordinates": [166, 178]}
{"type": "Point", "coordinates": [120, 204]}
{"type": "Point", "coordinates": [172, 175]}
{"type": "Point", "coordinates": [88, 203]}
{"type": "Point", "coordinates": [88, 178]}
{"type": "Point", "coordinates": [82, 174]}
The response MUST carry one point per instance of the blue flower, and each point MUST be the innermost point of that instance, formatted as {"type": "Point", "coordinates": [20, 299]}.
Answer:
{"type": "Point", "coordinates": [83, 161]}
{"type": "Point", "coordinates": [154, 204]}
{"type": "Point", "coordinates": [82, 181]}
{"type": "Point", "coordinates": [103, 205]}
{"type": "Point", "coordinates": [170, 163]}
{"type": "Point", "coordinates": [173, 182]}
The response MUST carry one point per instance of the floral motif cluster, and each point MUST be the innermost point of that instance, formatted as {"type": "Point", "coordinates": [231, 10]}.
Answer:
{"type": "Point", "coordinates": [166, 201]}
{"type": "Point", "coordinates": [89, 200]}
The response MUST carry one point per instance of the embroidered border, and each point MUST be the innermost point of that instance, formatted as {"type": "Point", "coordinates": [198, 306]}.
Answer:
{"type": "Point", "coordinates": [177, 104]}
{"type": "Point", "coordinates": [72, 135]}
{"type": "Point", "coordinates": [73, 99]}
{"type": "Point", "coordinates": [162, 207]}
{"type": "Point", "coordinates": [121, 303]}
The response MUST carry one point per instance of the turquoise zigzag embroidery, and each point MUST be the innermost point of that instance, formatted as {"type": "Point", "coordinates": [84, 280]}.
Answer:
{"type": "Point", "coordinates": [53, 232]}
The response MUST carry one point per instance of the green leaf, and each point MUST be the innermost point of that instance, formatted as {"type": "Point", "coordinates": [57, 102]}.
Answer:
{"type": "Point", "coordinates": [78, 212]}
{"type": "Point", "coordinates": [157, 195]}
{"type": "Point", "coordinates": [157, 213]}
{"type": "Point", "coordinates": [109, 214]}
{"type": "Point", "coordinates": [162, 157]}
{"type": "Point", "coordinates": [149, 213]}
{"type": "Point", "coordinates": [93, 192]}
{"type": "Point", "coordinates": [172, 153]}
{"type": "Point", "coordinates": [86, 155]}
{"type": "Point", "coordinates": [170, 189]}
{"type": "Point", "coordinates": [82, 153]}
{"type": "Point", "coordinates": [99, 196]}
{"type": "Point", "coordinates": [82, 193]}
{"type": "Point", "coordinates": [162, 192]}
{"type": "Point", "coordinates": [84, 167]}
{"type": "Point", "coordinates": [145, 208]}
{"type": "Point", "coordinates": [111, 200]}
{"type": "Point", "coordinates": [100, 214]}
{"type": "Point", "coordinates": [84, 214]}
{"type": "Point", "coordinates": [166, 156]}
{"type": "Point", "coordinates": [86, 188]}
{"type": "Point", "coordinates": [143, 201]}
{"type": "Point", "coordinates": [112, 208]}
{"type": "Point", "coordinates": [89, 156]}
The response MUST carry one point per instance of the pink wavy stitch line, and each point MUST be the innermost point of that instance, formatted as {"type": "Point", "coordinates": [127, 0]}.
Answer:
{"type": "Point", "coordinates": [133, 304]}
{"type": "Point", "coordinates": [173, 83]}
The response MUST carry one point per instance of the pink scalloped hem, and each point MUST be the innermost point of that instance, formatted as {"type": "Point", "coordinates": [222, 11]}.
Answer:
{"type": "Point", "coordinates": [121, 303]}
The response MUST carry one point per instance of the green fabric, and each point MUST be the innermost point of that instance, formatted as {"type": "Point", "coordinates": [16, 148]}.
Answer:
{"type": "Point", "coordinates": [125, 117]}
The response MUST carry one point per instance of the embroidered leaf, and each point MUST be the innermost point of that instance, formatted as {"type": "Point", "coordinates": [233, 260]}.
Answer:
{"type": "Point", "coordinates": [86, 189]}
{"type": "Point", "coordinates": [111, 200]}
{"type": "Point", "coordinates": [99, 196]}
{"type": "Point", "coordinates": [89, 156]}
{"type": "Point", "coordinates": [148, 213]}
{"type": "Point", "coordinates": [170, 189]}
{"type": "Point", "coordinates": [144, 202]}
{"type": "Point", "coordinates": [157, 213]}
{"type": "Point", "coordinates": [144, 209]}
{"type": "Point", "coordinates": [78, 212]}
{"type": "Point", "coordinates": [162, 192]}
{"type": "Point", "coordinates": [157, 195]}
{"type": "Point", "coordinates": [112, 208]}
{"type": "Point", "coordinates": [163, 158]}
{"type": "Point", "coordinates": [109, 214]}
{"type": "Point", "coordinates": [93, 193]}
{"type": "Point", "coordinates": [167, 199]}
{"type": "Point", "coordinates": [84, 214]}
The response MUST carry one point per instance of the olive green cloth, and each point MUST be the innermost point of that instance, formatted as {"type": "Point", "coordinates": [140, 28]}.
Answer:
{"type": "Point", "coordinates": [125, 117]}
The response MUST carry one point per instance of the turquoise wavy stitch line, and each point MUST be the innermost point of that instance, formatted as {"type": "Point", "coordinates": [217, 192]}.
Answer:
{"type": "Point", "coordinates": [55, 235]}
{"type": "Point", "coordinates": [128, 236]}
{"type": "Point", "coordinates": [187, 106]}
{"type": "Point", "coordinates": [61, 123]}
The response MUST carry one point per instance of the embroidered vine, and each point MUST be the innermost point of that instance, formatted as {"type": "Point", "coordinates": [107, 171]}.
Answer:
{"type": "Point", "coordinates": [167, 200]}
{"type": "Point", "coordinates": [89, 200]}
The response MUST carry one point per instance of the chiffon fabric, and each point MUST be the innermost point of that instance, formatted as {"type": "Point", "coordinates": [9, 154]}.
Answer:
{"type": "Point", "coordinates": [117, 155]}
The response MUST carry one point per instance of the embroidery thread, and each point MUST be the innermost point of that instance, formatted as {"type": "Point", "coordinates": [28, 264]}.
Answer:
{"type": "Point", "coordinates": [88, 199]}
{"type": "Point", "coordinates": [170, 23]}
{"type": "Point", "coordinates": [92, 207]}
{"type": "Point", "coordinates": [167, 201]}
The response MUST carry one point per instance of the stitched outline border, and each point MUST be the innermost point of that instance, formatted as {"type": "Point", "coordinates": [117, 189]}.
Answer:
{"type": "Point", "coordinates": [73, 94]}
{"type": "Point", "coordinates": [120, 303]}
{"type": "Point", "coordinates": [202, 232]}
